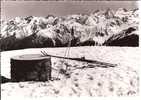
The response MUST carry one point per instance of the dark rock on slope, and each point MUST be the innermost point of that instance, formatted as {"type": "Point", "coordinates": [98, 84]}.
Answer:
{"type": "Point", "coordinates": [131, 40]}
{"type": "Point", "coordinates": [125, 38]}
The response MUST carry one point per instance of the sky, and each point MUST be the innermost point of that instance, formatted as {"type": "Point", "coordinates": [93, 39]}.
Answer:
{"type": "Point", "coordinates": [12, 9]}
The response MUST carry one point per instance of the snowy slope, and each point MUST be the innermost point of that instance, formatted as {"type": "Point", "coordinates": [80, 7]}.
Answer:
{"type": "Point", "coordinates": [122, 80]}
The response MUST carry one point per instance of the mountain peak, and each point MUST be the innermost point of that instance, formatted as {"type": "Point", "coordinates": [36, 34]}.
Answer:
{"type": "Point", "coordinates": [109, 13]}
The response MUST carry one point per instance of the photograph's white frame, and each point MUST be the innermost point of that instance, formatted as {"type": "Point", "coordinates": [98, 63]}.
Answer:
{"type": "Point", "coordinates": [91, 98]}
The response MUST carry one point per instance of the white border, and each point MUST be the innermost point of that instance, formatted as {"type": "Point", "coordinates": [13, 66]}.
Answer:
{"type": "Point", "coordinates": [89, 98]}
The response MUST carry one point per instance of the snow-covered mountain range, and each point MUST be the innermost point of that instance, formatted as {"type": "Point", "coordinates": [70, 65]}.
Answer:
{"type": "Point", "coordinates": [96, 28]}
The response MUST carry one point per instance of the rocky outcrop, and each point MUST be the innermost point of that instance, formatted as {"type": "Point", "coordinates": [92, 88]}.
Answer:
{"type": "Point", "coordinates": [124, 38]}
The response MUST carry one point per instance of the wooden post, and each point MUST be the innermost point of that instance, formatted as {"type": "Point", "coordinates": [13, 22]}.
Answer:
{"type": "Point", "coordinates": [31, 67]}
